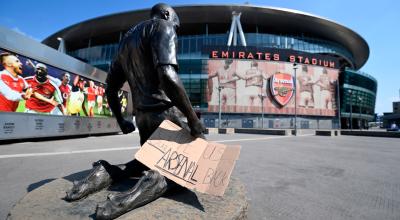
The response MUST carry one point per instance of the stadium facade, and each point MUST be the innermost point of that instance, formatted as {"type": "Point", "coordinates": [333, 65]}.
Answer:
{"type": "Point", "coordinates": [242, 60]}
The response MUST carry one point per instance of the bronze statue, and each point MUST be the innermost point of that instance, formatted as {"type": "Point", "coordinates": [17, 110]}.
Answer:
{"type": "Point", "coordinates": [146, 59]}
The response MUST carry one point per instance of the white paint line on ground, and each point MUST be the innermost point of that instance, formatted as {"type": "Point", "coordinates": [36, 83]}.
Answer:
{"type": "Point", "coordinates": [66, 152]}
{"type": "Point", "coordinates": [258, 139]}
{"type": "Point", "coordinates": [122, 148]}
{"type": "Point", "coordinates": [252, 139]}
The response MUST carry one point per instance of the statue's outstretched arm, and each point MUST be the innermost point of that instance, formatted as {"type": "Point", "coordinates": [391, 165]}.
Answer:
{"type": "Point", "coordinates": [115, 80]}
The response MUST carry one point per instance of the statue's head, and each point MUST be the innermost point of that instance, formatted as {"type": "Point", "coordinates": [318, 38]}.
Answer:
{"type": "Point", "coordinates": [166, 12]}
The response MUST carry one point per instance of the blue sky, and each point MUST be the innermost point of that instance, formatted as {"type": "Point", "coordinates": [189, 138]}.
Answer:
{"type": "Point", "coordinates": [378, 22]}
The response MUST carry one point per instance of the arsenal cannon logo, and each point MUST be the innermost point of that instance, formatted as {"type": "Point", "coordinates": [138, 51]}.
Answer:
{"type": "Point", "coordinates": [282, 87]}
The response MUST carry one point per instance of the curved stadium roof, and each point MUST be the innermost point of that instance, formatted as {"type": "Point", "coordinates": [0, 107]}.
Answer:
{"type": "Point", "coordinates": [218, 17]}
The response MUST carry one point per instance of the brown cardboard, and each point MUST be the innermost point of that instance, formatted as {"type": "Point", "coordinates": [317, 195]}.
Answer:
{"type": "Point", "coordinates": [193, 163]}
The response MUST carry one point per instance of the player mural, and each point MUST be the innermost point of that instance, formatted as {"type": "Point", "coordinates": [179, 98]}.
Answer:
{"type": "Point", "coordinates": [30, 86]}
{"type": "Point", "coordinates": [240, 84]}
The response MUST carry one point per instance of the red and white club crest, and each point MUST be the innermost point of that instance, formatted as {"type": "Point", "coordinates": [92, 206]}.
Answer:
{"type": "Point", "coordinates": [282, 87]}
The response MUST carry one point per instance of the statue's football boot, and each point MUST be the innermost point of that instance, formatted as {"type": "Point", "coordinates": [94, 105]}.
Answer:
{"type": "Point", "coordinates": [102, 175]}
{"type": "Point", "coordinates": [149, 188]}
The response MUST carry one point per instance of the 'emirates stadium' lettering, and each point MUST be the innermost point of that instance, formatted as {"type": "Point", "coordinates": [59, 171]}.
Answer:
{"type": "Point", "coordinates": [301, 59]}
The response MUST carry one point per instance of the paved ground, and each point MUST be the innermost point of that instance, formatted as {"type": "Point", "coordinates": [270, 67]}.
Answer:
{"type": "Point", "coordinates": [305, 177]}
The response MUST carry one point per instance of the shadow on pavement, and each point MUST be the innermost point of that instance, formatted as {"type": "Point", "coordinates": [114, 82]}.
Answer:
{"type": "Point", "coordinates": [36, 185]}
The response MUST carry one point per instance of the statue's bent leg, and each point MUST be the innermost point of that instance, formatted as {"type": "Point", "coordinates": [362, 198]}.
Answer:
{"type": "Point", "coordinates": [134, 168]}
{"type": "Point", "coordinates": [150, 186]}
{"type": "Point", "coordinates": [101, 176]}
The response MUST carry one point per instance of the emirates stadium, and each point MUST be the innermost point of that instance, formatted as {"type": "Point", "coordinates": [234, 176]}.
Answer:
{"type": "Point", "coordinates": [250, 66]}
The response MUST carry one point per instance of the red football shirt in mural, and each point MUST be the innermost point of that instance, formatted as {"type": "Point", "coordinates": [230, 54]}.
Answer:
{"type": "Point", "coordinates": [65, 92]}
{"type": "Point", "coordinates": [47, 89]}
{"type": "Point", "coordinates": [91, 94]}
{"type": "Point", "coordinates": [10, 91]}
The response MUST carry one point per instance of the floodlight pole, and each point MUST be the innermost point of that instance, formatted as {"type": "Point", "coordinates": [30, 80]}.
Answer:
{"type": "Point", "coordinates": [262, 96]}
{"type": "Point", "coordinates": [351, 109]}
{"type": "Point", "coordinates": [295, 98]}
{"type": "Point", "coordinates": [338, 103]}
{"type": "Point", "coordinates": [360, 99]}
{"type": "Point", "coordinates": [219, 103]}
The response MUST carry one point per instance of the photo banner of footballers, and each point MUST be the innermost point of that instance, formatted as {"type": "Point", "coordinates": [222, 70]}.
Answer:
{"type": "Point", "coordinates": [241, 84]}
{"type": "Point", "coordinates": [30, 86]}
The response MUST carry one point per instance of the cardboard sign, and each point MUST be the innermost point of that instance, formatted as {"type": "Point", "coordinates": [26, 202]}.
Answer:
{"type": "Point", "coordinates": [193, 163]}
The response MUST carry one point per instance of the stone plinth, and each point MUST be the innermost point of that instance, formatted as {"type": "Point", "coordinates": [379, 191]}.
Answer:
{"type": "Point", "coordinates": [46, 202]}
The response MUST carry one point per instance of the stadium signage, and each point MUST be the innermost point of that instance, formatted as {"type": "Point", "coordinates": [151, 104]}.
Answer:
{"type": "Point", "coordinates": [273, 54]}
{"type": "Point", "coordinates": [282, 88]}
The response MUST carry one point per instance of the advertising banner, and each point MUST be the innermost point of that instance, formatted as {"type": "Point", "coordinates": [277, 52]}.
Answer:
{"type": "Point", "coordinates": [242, 85]}
{"type": "Point", "coordinates": [193, 163]}
{"type": "Point", "coordinates": [30, 86]}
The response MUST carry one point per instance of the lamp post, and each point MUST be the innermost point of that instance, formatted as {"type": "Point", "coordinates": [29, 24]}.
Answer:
{"type": "Point", "coordinates": [338, 103]}
{"type": "Point", "coordinates": [295, 98]}
{"type": "Point", "coordinates": [360, 99]}
{"type": "Point", "coordinates": [262, 96]}
{"type": "Point", "coordinates": [351, 109]}
{"type": "Point", "coordinates": [219, 103]}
